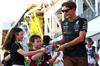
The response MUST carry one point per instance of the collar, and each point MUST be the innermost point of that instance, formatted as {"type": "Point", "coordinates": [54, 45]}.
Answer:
{"type": "Point", "coordinates": [73, 19]}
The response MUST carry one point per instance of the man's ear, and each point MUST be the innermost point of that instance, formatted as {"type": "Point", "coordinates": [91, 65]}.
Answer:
{"type": "Point", "coordinates": [73, 9]}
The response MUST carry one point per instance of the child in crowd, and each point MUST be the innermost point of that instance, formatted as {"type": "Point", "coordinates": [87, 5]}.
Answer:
{"type": "Point", "coordinates": [17, 54]}
{"type": "Point", "coordinates": [46, 40]}
{"type": "Point", "coordinates": [6, 63]}
{"type": "Point", "coordinates": [59, 60]}
{"type": "Point", "coordinates": [39, 58]}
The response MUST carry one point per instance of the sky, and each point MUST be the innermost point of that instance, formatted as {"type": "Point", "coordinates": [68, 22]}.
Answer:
{"type": "Point", "coordinates": [10, 9]}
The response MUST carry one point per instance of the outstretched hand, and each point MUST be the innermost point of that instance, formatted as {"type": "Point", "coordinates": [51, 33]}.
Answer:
{"type": "Point", "coordinates": [61, 48]}
{"type": "Point", "coordinates": [44, 49]}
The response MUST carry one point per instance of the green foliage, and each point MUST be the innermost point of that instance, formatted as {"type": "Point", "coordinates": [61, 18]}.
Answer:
{"type": "Point", "coordinates": [34, 31]}
{"type": "Point", "coordinates": [29, 46]}
{"type": "Point", "coordinates": [40, 20]}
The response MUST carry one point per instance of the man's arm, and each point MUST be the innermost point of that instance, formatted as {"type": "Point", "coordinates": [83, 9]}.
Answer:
{"type": "Point", "coordinates": [77, 40]}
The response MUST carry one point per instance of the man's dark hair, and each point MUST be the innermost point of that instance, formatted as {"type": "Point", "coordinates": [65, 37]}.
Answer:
{"type": "Point", "coordinates": [69, 4]}
{"type": "Point", "coordinates": [33, 37]}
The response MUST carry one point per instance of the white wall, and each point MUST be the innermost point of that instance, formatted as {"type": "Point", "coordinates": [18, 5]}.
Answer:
{"type": "Point", "coordinates": [93, 26]}
{"type": "Point", "coordinates": [0, 32]}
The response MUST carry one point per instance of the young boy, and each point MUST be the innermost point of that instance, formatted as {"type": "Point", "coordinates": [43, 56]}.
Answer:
{"type": "Point", "coordinates": [39, 58]}
{"type": "Point", "coordinates": [59, 60]}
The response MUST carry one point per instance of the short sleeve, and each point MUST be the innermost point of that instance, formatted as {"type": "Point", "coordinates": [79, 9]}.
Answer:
{"type": "Point", "coordinates": [31, 55]}
{"type": "Point", "coordinates": [14, 47]}
{"type": "Point", "coordinates": [60, 57]}
{"type": "Point", "coordinates": [83, 26]}
{"type": "Point", "coordinates": [5, 54]}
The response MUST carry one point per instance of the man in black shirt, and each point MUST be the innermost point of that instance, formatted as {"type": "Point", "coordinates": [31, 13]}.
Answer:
{"type": "Point", "coordinates": [74, 31]}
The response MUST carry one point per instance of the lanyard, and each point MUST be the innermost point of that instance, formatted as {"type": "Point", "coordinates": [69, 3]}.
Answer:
{"type": "Point", "coordinates": [38, 60]}
{"type": "Point", "coordinates": [19, 45]}
{"type": "Point", "coordinates": [22, 49]}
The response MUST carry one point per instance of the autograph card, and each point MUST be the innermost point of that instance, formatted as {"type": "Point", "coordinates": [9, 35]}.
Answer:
{"type": "Point", "coordinates": [49, 49]}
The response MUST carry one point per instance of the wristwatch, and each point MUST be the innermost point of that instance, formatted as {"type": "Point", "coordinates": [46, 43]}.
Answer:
{"type": "Point", "coordinates": [66, 44]}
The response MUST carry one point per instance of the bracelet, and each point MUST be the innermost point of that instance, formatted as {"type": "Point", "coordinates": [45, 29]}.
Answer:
{"type": "Point", "coordinates": [66, 44]}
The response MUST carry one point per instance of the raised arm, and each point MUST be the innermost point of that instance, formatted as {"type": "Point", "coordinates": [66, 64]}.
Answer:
{"type": "Point", "coordinates": [22, 52]}
{"type": "Point", "coordinates": [77, 40]}
{"type": "Point", "coordinates": [36, 56]}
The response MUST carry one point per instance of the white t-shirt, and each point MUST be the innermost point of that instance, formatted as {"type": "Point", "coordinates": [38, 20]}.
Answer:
{"type": "Point", "coordinates": [99, 57]}
{"type": "Point", "coordinates": [89, 51]}
{"type": "Point", "coordinates": [60, 57]}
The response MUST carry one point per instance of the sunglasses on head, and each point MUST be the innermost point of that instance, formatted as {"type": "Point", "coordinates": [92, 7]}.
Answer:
{"type": "Point", "coordinates": [65, 10]}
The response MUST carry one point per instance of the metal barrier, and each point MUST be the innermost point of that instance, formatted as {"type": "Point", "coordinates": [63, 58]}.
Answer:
{"type": "Point", "coordinates": [89, 14]}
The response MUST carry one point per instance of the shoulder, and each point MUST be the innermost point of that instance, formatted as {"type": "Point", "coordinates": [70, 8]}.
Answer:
{"type": "Point", "coordinates": [82, 20]}
{"type": "Point", "coordinates": [64, 21]}
{"type": "Point", "coordinates": [13, 45]}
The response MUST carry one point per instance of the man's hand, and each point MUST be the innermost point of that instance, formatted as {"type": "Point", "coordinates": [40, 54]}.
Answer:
{"type": "Point", "coordinates": [61, 48]}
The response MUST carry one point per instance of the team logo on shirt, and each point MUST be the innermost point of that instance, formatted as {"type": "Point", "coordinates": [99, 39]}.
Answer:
{"type": "Point", "coordinates": [66, 23]}
{"type": "Point", "coordinates": [76, 27]}
{"type": "Point", "coordinates": [84, 25]}
{"type": "Point", "coordinates": [65, 27]}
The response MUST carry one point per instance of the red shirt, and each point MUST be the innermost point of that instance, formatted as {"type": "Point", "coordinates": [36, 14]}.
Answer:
{"type": "Point", "coordinates": [44, 58]}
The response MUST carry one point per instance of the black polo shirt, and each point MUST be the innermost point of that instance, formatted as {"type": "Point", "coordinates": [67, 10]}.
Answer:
{"type": "Point", "coordinates": [71, 31]}
{"type": "Point", "coordinates": [16, 58]}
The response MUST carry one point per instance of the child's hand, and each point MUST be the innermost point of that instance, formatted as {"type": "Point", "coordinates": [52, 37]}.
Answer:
{"type": "Point", "coordinates": [27, 60]}
{"type": "Point", "coordinates": [44, 49]}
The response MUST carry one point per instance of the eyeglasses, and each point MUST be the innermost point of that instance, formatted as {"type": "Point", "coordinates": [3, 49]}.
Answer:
{"type": "Point", "coordinates": [65, 10]}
